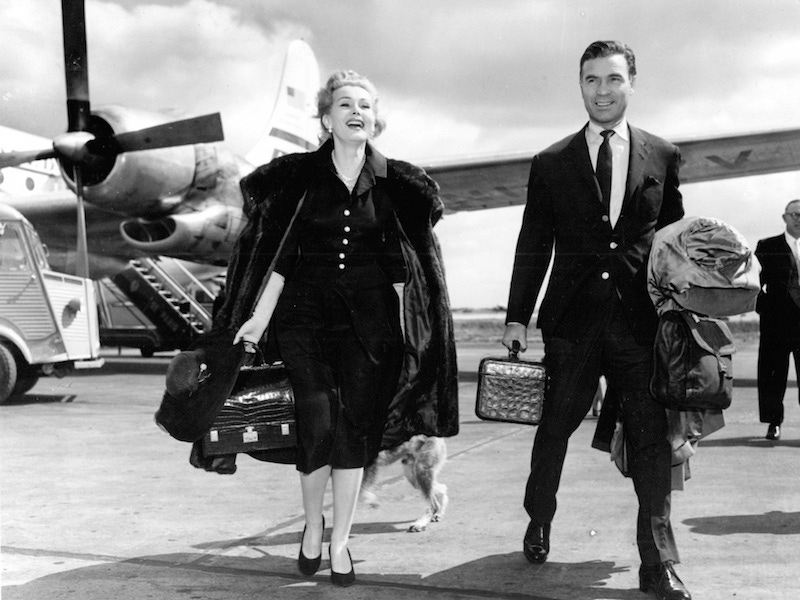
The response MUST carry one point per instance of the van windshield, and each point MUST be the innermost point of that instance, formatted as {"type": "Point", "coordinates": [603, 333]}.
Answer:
{"type": "Point", "coordinates": [12, 249]}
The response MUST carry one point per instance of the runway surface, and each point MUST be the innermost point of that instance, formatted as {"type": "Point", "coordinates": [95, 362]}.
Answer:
{"type": "Point", "coordinates": [96, 502]}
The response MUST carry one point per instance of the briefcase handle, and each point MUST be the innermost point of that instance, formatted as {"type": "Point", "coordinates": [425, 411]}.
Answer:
{"type": "Point", "coordinates": [513, 354]}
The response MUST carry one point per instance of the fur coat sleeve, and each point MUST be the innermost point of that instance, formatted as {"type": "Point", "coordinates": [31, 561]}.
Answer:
{"type": "Point", "coordinates": [426, 400]}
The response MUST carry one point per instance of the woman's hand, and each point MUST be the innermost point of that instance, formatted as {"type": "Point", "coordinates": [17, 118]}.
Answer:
{"type": "Point", "coordinates": [251, 331]}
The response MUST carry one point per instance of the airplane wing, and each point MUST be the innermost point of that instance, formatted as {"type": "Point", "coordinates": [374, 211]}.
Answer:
{"type": "Point", "coordinates": [475, 184]}
{"type": "Point", "coordinates": [740, 155]}
{"type": "Point", "coordinates": [494, 182]}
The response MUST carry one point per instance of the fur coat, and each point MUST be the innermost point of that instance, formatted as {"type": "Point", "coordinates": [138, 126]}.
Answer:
{"type": "Point", "coordinates": [426, 398]}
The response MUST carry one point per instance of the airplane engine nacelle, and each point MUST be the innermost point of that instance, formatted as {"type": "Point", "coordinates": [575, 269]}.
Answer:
{"type": "Point", "coordinates": [210, 234]}
{"type": "Point", "coordinates": [134, 182]}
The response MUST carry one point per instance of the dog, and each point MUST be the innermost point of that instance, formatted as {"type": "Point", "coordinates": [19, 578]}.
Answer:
{"type": "Point", "coordinates": [422, 457]}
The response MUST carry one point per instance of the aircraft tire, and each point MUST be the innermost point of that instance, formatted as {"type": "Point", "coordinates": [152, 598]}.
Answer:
{"type": "Point", "coordinates": [8, 373]}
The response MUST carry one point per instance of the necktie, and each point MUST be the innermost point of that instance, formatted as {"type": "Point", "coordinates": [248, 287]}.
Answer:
{"type": "Point", "coordinates": [603, 170]}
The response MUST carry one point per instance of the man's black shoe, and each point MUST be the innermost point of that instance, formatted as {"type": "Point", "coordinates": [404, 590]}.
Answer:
{"type": "Point", "coordinates": [536, 545]}
{"type": "Point", "coordinates": [662, 580]}
{"type": "Point", "coordinates": [773, 432]}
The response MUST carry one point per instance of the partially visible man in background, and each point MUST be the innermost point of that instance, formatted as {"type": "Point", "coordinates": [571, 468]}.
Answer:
{"type": "Point", "coordinates": [778, 306]}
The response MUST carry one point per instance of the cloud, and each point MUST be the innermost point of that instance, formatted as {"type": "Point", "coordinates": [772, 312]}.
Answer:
{"type": "Point", "coordinates": [457, 77]}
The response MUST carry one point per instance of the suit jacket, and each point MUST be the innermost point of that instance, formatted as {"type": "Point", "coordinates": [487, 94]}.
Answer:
{"type": "Point", "coordinates": [780, 316]}
{"type": "Point", "coordinates": [564, 211]}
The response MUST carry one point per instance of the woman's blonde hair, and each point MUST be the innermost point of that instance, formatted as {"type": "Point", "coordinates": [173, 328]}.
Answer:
{"type": "Point", "coordinates": [340, 79]}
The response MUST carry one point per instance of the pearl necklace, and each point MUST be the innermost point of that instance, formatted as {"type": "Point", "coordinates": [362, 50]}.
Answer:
{"type": "Point", "coordinates": [344, 177]}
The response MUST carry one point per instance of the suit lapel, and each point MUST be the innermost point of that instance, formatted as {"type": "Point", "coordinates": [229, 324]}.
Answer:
{"type": "Point", "coordinates": [577, 154]}
{"type": "Point", "coordinates": [639, 151]}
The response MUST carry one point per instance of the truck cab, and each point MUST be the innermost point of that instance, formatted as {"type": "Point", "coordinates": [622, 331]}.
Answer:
{"type": "Point", "coordinates": [48, 320]}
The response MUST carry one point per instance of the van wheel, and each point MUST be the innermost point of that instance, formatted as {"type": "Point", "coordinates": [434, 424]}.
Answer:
{"type": "Point", "coordinates": [26, 378]}
{"type": "Point", "coordinates": [8, 373]}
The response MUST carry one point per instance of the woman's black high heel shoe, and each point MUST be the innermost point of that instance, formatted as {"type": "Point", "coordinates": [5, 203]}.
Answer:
{"type": "Point", "coordinates": [309, 566]}
{"type": "Point", "coordinates": [343, 579]}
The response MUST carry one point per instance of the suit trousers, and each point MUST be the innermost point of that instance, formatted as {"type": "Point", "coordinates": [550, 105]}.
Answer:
{"type": "Point", "coordinates": [773, 371]}
{"type": "Point", "coordinates": [575, 366]}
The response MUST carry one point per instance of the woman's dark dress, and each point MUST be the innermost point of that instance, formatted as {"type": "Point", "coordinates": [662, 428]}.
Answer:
{"type": "Point", "coordinates": [337, 320]}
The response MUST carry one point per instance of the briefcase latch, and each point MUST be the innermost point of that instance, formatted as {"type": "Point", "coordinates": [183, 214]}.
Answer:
{"type": "Point", "coordinates": [250, 435]}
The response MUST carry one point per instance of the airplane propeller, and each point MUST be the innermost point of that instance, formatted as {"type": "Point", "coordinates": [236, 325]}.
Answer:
{"type": "Point", "coordinates": [80, 148]}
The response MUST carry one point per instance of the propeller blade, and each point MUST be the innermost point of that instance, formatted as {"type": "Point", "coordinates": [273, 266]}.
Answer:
{"type": "Point", "coordinates": [82, 249]}
{"type": "Point", "coordinates": [197, 130]}
{"type": "Point", "coordinates": [18, 157]}
{"type": "Point", "coordinates": [73, 18]}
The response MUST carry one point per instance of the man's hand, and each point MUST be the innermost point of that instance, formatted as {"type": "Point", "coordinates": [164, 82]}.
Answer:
{"type": "Point", "coordinates": [516, 332]}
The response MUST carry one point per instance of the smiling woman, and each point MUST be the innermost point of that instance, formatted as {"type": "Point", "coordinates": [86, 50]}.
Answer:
{"type": "Point", "coordinates": [341, 240]}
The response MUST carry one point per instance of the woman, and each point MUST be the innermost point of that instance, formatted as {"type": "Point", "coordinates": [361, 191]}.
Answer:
{"type": "Point", "coordinates": [357, 304]}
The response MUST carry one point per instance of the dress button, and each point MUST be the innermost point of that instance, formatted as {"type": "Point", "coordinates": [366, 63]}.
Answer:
{"type": "Point", "coordinates": [341, 266]}
{"type": "Point", "coordinates": [345, 241]}
{"type": "Point", "coordinates": [605, 275]}
{"type": "Point", "coordinates": [613, 245]}
{"type": "Point", "coordinates": [341, 255]}
{"type": "Point", "coordinates": [604, 218]}
{"type": "Point", "coordinates": [347, 228]}
{"type": "Point", "coordinates": [346, 212]}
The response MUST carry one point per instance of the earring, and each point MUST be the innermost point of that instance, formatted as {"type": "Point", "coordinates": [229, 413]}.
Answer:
{"type": "Point", "coordinates": [330, 130]}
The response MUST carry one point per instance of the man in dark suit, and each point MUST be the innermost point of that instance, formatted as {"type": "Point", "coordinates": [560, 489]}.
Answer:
{"type": "Point", "coordinates": [598, 197]}
{"type": "Point", "coordinates": [778, 306]}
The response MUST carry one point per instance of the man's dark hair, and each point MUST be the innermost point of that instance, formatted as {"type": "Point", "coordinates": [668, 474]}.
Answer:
{"type": "Point", "coordinates": [602, 49]}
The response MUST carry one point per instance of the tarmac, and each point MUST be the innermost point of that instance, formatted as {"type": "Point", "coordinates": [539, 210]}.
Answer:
{"type": "Point", "coordinates": [96, 502]}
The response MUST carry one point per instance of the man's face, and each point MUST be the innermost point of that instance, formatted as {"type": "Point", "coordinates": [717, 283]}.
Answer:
{"type": "Point", "coordinates": [792, 224]}
{"type": "Point", "coordinates": [605, 87]}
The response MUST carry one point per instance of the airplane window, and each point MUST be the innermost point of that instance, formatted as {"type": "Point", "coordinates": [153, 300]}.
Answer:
{"type": "Point", "coordinates": [29, 183]}
{"type": "Point", "coordinates": [2, 177]}
{"type": "Point", "coordinates": [12, 251]}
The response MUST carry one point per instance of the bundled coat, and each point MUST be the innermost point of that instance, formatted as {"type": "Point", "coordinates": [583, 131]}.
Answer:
{"type": "Point", "coordinates": [426, 398]}
{"type": "Point", "coordinates": [703, 265]}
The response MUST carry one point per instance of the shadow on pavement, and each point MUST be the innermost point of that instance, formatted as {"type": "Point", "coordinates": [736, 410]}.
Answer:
{"type": "Point", "coordinates": [775, 522]}
{"type": "Point", "coordinates": [753, 442]}
{"type": "Point", "coordinates": [211, 577]}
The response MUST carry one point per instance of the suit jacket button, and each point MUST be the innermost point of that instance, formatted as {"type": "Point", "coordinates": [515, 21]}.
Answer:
{"type": "Point", "coordinates": [604, 218]}
{"type": "Point", "coordinates": [605, 275]}
{"type": "Point", "coordinates": [613, 245]}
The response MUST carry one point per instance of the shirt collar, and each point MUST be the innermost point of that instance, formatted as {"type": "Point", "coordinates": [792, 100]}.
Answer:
{"type": "Point", "coordinates": [593, 131]}
{"type": "Point", "coordinates": [792, 241]}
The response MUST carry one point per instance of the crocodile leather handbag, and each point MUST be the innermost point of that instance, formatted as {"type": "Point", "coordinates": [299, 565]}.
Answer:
{"type": "Point", "coordinates": [511, 390]}
{"type": "Point", "coordinates": [258, 414]}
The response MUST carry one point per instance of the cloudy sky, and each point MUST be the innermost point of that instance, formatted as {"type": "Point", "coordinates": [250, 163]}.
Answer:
{"type": "Point", "coordinates": [456, 78]}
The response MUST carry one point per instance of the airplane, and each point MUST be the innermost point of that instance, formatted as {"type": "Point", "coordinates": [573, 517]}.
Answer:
{"type": "Point", "coordinates": [151, 186]}
{"type": "Point", "coordinates": [184, 201]}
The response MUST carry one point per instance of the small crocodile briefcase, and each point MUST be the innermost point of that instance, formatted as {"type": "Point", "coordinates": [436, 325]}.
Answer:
{"type": "Point", "coordinates": [511, 390]}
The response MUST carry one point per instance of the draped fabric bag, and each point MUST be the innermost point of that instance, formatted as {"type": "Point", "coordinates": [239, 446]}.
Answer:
{"type": "Point", "coordinates": [258, 414]}
{"type": "Point", "coordinates": [703, 265]}
{"type": "Point", "coordinates": [511, 390]}
{"type": "Point", "coordinates": [692, 362]}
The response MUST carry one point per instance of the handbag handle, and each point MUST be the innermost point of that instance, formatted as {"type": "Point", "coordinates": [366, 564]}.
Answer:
{"type": "Point", "coordinates": [513, 354]}
{"type": "Point", "coordinates": [253, 356]}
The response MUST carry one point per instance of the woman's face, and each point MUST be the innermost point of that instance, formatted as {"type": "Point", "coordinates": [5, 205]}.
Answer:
{"type": "Point", "coordinates": [352, 115]}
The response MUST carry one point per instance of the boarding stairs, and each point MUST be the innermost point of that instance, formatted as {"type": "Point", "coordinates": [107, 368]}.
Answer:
{"type": "Point", "coordinates": [155, 304]}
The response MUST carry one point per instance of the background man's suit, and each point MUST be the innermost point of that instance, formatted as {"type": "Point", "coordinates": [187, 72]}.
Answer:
{"type": "Point", "coordinates": [596, 317]}
{"type": "Point", "coordinates": [779, 325]}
